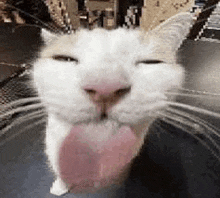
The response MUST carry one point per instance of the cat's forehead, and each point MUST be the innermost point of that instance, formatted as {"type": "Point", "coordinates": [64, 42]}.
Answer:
{"type": "Point", "coordinates": [100, 44]}
{"type": "Point", "coordinates": [118, 42]}
{"type": "Point", "coordinates": [98, 40]}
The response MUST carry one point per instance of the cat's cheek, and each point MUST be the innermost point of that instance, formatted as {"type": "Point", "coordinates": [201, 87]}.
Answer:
{"type": "Point", "coordinates": [41, 76]}
{"type": "Point", "coordinates": [38, 83]}
{"type": "Point", "coordinates": [177, 75]}
{"type": "Point", "coordinates": [161, 77]}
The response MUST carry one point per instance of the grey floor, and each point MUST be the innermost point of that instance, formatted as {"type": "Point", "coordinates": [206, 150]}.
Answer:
{"type": "Point", "coordinates": [171, 165]}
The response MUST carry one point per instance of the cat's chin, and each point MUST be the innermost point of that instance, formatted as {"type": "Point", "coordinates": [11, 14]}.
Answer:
{"type": "Point", "coordinates": [99, 153]}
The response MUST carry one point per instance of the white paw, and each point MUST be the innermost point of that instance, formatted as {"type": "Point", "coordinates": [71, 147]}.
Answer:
{"type": "Point", "coordinates": [58, 188]}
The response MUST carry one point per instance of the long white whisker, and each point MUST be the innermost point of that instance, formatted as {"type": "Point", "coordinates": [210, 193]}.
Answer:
{"type": "Point", "coordinates": [14, 65]}
{"type": "Point", "coordinates": [210, 7]}
{"type": "Point", "coordinates": [21, 109]}
{"type": "Point", "coordinates": [172, 121]}
{"type": "Point", "coordinates": [209, 128]}
{"type": "Point", "coordinates": [196, 119]}
{"type": "Point", "coordinates": [19, 102]}
{"type": "Point", "coordinates": [198, 92]}
{"type": "Point", "coordinates": [190, 95]}
{"type": "Point", "coordinates": [178, 119]}
{"type": "Point", "coordinates": [194, 109]}
{"type": "Point", "coordinates": [35, 25]}
{"type": "Point", "coordinates": [22, 131]}
{"type": "Point", "coordinates": [22, 119]}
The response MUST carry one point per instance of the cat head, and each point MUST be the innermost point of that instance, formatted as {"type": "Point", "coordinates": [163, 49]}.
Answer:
{"type": "Point", "coordinates": [120, 74]}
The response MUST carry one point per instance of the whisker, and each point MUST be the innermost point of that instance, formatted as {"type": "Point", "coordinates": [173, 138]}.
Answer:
{"type": "Point", "coordinates": [191, 95]}
{"type": "Point", "coordinates": [208, 8]}
{"type": "Point", "coordinates": [198, 92]}
{"type": "Point", "coordinates": [19, 102]}
{"type": "Point", "coordinates": [170, 120]}
{"type": "Point", "coordinates": [175, 121]}
{"type": "Point", "coordinates": [194, 109]}
{"type": "Point", "coordinates": [197, 120]}
{"type": "Point", "coordinates": [56, 30]}
{"type": "Point", "coordinates": [33, 25]}
{"type": "Point", "coordinates": [21, 120]}
{"type": "Point", "coordinates": [181, 120]}
{"type": "Point", "coordinates": [15, 65]}
{"type": "Point", "coordinates": [22, 131]}
{"type": "Point", "coordinates": [21, 109]}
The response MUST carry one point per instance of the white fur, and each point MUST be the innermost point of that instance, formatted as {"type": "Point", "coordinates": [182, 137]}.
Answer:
{"type": "Point", "coordinates": [107, 56]}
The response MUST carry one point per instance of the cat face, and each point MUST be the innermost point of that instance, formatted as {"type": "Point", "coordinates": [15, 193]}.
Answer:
{"type": "Point", "coordinates": [121, 74]}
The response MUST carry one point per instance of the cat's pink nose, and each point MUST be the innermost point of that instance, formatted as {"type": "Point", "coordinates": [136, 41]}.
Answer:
{"type": "Point", "coordinates": [107, 92]}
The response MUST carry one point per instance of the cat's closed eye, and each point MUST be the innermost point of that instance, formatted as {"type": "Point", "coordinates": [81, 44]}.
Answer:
{"type": "Point", "coordinates": [149, 61]}
{"type": "Point", "coordinates": [65, 58]}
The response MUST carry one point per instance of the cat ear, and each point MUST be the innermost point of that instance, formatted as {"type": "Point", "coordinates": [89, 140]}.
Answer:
{"type": "Point", "coordinates": [48, 36]}
{"type": "Point", "coordinates": [174, 30]}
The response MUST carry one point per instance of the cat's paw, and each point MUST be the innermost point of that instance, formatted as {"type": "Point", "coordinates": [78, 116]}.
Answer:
{"type": "Point", "coordinates": [58, 188]}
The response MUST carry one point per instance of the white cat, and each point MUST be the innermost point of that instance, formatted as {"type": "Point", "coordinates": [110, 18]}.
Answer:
{"type": "Point", "coordinates": [102, 89]}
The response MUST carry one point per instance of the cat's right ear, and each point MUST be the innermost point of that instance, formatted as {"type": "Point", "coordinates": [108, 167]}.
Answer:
{"type": "Point", "coordinates": [48, 36]}
{"type": "Point", "coordinates": [174, 30]}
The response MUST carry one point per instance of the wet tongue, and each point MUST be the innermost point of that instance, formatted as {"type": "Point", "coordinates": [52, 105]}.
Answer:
{"type": "Point", "coordinates": [89, 163]}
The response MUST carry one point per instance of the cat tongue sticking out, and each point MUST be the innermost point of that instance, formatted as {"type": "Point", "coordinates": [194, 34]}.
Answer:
{"type": "Point", "coordinates": [95, 161]}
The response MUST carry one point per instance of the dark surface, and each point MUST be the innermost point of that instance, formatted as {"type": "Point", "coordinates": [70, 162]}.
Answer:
{"type": "Point", "coordinates": [171, 164]}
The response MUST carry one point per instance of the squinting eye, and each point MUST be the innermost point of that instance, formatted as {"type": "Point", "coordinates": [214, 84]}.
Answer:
{"type": "Point", "coordinates": [65, 58]}
{"type": "Point", "coordinates": [150, 61]}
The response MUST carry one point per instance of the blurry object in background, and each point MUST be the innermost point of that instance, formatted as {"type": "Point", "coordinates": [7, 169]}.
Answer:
{"type": "Point", "coordinates": [64, 13]}
{"type": "Point", "coordinates": [110, 14]}
{"type": "Point", "coordinates": [207, 25]}
{"type": "Point", "coordinates": [212, 30]}
{"type": "Point", "coordinates": [130, 13]}
{"type": "Point", "coordinates": [101, 13]}
{"type": "Point", "coordinates": [25, 11]}
{"type": "Point", "coordinates": [155, 12]}
{"type": "Point", "coordinates": [69, 15]}
{"type": "Point", "coordinates": [109, 20]}
{"type": "Point", "coordinates": [3, 15]}
{"type": "Point", "coordinates": [9, 16]}
{"type": "Point", "coordinates": [132, 19]}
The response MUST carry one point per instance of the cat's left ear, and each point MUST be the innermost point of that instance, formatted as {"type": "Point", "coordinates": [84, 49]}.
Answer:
{"type": "Point", "coordinates": [48, 36]}
{"type": "Point", "coordinates": [174, 30]}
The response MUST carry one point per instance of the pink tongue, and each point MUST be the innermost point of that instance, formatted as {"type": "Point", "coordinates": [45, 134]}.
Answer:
{"type": "Point", "coordinates": [83, 165]}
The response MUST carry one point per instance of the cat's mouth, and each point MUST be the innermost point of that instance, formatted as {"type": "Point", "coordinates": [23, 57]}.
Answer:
{"type": "Point", "coordinates": [103, 116]}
